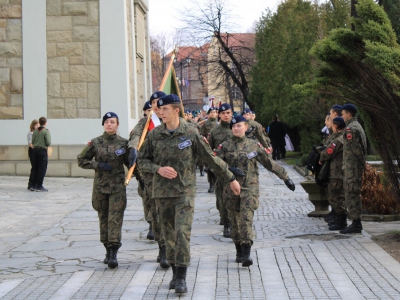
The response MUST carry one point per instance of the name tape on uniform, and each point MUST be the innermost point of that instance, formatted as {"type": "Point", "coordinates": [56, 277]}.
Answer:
{"type": "Point", "coordinates": [120, 151]}
{"type": "Point", "coordinates": [185, 144]}
{"type": "Point", "coordinates": [251, 155]}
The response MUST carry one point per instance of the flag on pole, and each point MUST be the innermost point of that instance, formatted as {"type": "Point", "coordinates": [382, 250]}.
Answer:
{"type": "Point", "coordinates": [154, 122]}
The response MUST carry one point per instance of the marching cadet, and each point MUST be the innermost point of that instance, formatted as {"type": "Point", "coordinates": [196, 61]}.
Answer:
{"type": "Point", "coordinates": [354, 159]}
{"type": "Point", "coordinates": [110, 153]}
{"type": "Point", "coordinates": [217, 136]}
{"type": "Point", "coordinates": [333, 154]}
{"type": "Point", "coordinates": [209, 124]}
{"type": "Point", "coordinates": [134, 138]}
{"type": "Point", "coordinates": [170, 152]}
{"type": "Point", "coordinates": [146, 182]}
{"type": "Point", "coordinates": [255, 131]}
{"type": "Point", "coordinates": [244, 154]}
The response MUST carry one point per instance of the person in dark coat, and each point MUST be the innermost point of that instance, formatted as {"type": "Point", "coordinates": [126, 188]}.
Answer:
{"type": "Point", "coordinates": [277, 134]}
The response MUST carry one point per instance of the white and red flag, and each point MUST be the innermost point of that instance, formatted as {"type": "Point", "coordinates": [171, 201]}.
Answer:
{"type": "Point", "coordinates": [154, 122]}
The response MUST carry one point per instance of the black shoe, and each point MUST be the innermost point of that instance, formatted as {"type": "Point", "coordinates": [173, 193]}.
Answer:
{"type": "Point", "coordinates": [112, 261]}
{"type": "Point", "coordinates": [107, 258]}
{"type": "Point", "coordinates": [163, 261]}
{"type": "Point", "coordinates": [227, 229]}
{"type": "Point", "coordinates": [221, 222]}
{"type": "Point", "coordinates": [180, 282]}
{"type": "Point", "coordinates": [32, 187]}
{"type": "Point", "coordinates": [150, 234]}
{"type": "Point", "coordinates": [41, 189]}
{"type": "Point", "coordinates": [340, 224]}
{"type": "Point", "coordinates": [355, 227]}
{"type": "Point", "coordinates": [172, 282]}
{"type": "Point", "coordinates": [239, 257]}
{"type": "Point", "coordinates": [211, 189]}
{"type": "Point", "coordinates": [247, 261]}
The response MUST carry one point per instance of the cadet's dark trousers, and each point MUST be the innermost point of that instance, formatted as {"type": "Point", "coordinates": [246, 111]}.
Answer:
{"type": "Point", "coordinates": [39, 167]}
{"type": "Point", "coordinates": [176, 218]}
{"type": "Point", "coordinates": [210, 177]}
{"type": "Point", "coordinates": [221, 205]}
{"type": "Point", "coordinates": [146, 202]}
{"type": "Point", "coordinates": [241, 213]}
{"type": "Point", "coordinates": [276, 150]}
{"type": "Point", "coordinates": [352, 190]}
{"type": "Point", "coordinates": [110, 209]}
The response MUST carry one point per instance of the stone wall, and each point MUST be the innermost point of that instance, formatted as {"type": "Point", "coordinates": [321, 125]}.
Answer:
{"type": "Point", "coordinates": [11, 59]}
{"type": "Point", "coordinates": [73, 59]}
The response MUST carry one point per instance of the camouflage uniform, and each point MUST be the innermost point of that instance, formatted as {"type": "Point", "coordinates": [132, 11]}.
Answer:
{"type": "Point", "coordinates": [195, 124]}
{"type": "Point", "coordinates": [145, 189]}
{"type": "Point", "coordinates": [244, 154]}
{"type": "Point", "coordinates": [209, 124]}
{"type": "Point", "coordinates": [175, 197]}
{"type": "Point", "coordinates": [109, 191]}
{"type": "Point", "coordinates": [256, 132]}
{"type": "Point", "coordinates": [217, 136]}
{"type": "Point", "coordinates": [334, 154]}
{"type": "Point", "coordinates": [354, 159]}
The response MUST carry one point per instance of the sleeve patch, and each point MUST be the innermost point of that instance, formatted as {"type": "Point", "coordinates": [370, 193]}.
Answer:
{"type": "Point", "coordinates": [89, 143]}
{"type": "Point", "coordinates": [220, 146]}
{"type": "Point", "coordinates": [349, 136]}
{"type": "Point", "coordinates": [215, 153]}
{"type": "Point", "coordinates": [267, 150]}
{"type": "Point", "coordinates": [330, 150]}
{"type": "Point", "coordinates": [259, 144]}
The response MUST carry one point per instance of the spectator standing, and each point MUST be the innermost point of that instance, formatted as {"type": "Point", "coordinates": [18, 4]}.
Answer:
{"type": "Point", "coordinates": [277, 134]}
{"type": "Point", "coordinates": [41, 140]}
{"type": "Point", "coordinates": [34, 125]}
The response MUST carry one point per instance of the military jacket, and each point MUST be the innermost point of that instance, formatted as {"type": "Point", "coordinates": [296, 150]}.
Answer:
{"type": "Point", "coordinates": [354, 145]}
{"type": "Point", "coordinates": [256, 132]}
{"type": "Point", "coordinates": [219, 134]}
{"type": "Point", "coordinates": [207, 126]}
{"type": "Point", "coordinates": [136, 133]}
{"type": "Point", "coordinates": [244, 154]}
{"type": "Point", "coordinates": [111, 149]}
{"type": "Point", "coordinates": [334, 154]}
{"type": "Point", "coordinates": [178, 150]}
{"type": "Point", "coordinates": [194, 124]}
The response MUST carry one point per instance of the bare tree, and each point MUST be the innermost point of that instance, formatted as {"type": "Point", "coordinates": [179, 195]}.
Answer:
{"type": "Point", "coordinates": [231, 55]}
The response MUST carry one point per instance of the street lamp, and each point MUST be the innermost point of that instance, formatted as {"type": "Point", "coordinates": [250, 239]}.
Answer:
{"type": "Point", "coordinates": [181, 64]}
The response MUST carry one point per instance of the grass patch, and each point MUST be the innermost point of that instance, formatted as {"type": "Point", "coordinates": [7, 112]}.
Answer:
{"type": "Point", "coordinates": [293, 158]}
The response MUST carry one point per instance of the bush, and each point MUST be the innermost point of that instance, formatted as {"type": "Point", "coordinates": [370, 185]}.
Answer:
{"type": "Point", "coordinates": [377, 194]}
{"type": "Point", "coordinates": [304, 159]}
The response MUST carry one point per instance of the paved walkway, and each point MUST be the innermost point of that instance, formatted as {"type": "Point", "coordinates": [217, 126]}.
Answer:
{"type": "Point", "coordinates": [49, 249]}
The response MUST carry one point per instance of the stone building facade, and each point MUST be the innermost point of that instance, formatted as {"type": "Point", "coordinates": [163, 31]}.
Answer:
{"type": "Point", "coordinates": [70, 61]}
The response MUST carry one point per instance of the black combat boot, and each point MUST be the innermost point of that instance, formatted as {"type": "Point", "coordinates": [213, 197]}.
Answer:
{"type": "Point", "coordinates": [227, 229]}
{"type": "Point", "coordinates": [247, 261]}
{"type": "Point", "coordinates": [211, 189]}
{"type": "Point", "coordinates": [329, 215]}
{"type": "Point", "coordinates": [105, 261]}
{"type": "Point", "coordinates": [150, 234]}
{"type": "Point", "coordinates": [180, 282]}
{"type": "Point", "coordinates": [163, 261]}
{"type": "Point", "coordinates": [354, 227]}
{"type": "Point", "coordinates": [239, 257]}
{"type": "Point", "coordinates": [112, 261]}
{"type": "Point", "coordinates": [173, 280]}
{"type": "Point", "coordinates": [340, 223]}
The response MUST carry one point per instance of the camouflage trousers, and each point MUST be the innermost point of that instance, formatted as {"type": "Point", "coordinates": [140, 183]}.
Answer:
{"type": "Point", "coordinates": [352, 182]}
{"type": "Point", "coordinates": [241, 212]}
{"type": "Point", "coordinates": [146, 202]}
{"type": "Point", "coordinates": [336, 195]}
{"type": "Point", "coordinates": [221, 202]}
{"type": "Point", "coordinates": [110, 209]}
{"type": "Point", "coordinates": [176, 218]}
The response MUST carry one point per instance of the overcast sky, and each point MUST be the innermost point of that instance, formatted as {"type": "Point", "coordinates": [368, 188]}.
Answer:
{"type": "Point", "coordinates": [164, 13]}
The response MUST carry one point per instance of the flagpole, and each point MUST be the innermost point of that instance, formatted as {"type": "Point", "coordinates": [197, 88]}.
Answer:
{"type": "Point", "coordinates": [141, 141]}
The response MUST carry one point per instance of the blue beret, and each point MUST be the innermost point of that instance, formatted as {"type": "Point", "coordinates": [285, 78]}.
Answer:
{"type": "Point", "coordinates": [339, 121]}
{"type": "Point", "coordinates": [109, 115]}
{"type": "Point", "coordinates": [211, 109]}
{"type": "Point", "coordinates": [237, 119]}
{"type": "Point", "coordinates": [224, 107]}
{"type": "Point", "coordinates": [253, 112]}
{"type": "Point", "coordinates": [168, 99]}
{"type": "Point", "coordinates": [147, 105]}
{"type": "Point", "coordinates": [187, 111]}
{"type": "Point", "coordinates": [337, 106]}
{"type": "Point", "coordinates": [157, 95]}
{"type": "Point", "coordinates": [246, 111]}
{"type": "Point", "coordinates": [350, 107]}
